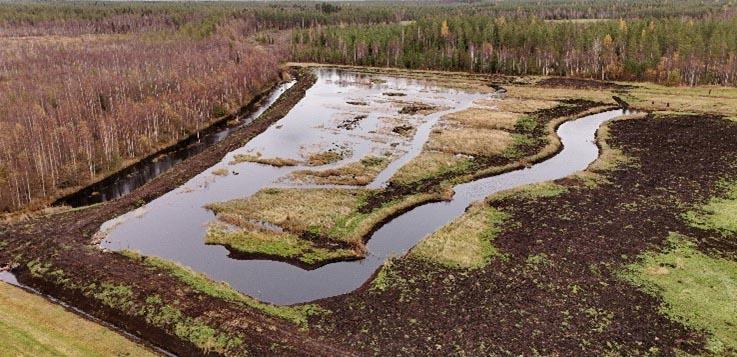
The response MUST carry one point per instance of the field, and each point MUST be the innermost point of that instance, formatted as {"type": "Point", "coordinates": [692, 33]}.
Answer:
{"type": "Point", "coordinates": [419, 183]}
{"type": "Point", "coordinates": [33, 326]}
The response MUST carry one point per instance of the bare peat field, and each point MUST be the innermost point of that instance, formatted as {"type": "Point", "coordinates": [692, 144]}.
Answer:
{"type": "Point", "coordinates": [632, 254]}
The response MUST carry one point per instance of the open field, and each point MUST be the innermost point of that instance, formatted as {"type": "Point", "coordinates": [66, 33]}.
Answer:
{"type": "Point", "coordinates": [31, 325]}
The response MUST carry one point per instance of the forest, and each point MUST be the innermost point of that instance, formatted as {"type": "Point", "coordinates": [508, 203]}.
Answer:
{"type": "Point", "coordinates": [668, 50]}
{"type": "Point", "coordinates": [87, 88]}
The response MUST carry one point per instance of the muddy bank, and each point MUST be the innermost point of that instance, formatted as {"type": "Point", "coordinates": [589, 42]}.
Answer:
{"type": "Point", "coordinates": [555, 288]}
{"type": "Point", "coordinates": [79, 273]}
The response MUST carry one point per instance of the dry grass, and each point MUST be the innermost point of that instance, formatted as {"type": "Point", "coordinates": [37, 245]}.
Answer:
{"type": "Point", "coordinates": [331, 213]}
{"type": "Point", "coordinates": [32, 326]}
{"type": "Point", "coordinates": [466, 242]}
{"type": "Point", "coordinates": [325, 157]}
{"type": "Point", "coordinates": [470, 141]}
{"type": "Point", "coordinates": [483, 118]}
{"type": "Point", "coordinates": [359, 173]}
{"type": "Point", "coordinates": [430, 164]}
{"type": "Point", "coordinates": [555, 94]}
{"type": "Point", "coordinates": [702, 99]}
{"type": "Point", "coordinates": [516, 105]}
{"type": "Point", "coordinates": [274, 161]}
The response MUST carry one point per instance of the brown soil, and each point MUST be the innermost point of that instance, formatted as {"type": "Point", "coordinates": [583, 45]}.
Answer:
{"type": "Point", "coordinates": [578, 83]}
{"type": "Point", "coordinates": [64, 240]}
{"type": "Point", "coordinates": [556, 291]}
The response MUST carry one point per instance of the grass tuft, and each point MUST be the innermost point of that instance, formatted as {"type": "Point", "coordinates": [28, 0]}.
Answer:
{"type": "Point", "coordinates": [466, 242]}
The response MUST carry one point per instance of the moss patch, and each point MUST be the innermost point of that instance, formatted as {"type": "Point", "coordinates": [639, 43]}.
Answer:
{"type": "Point", "coordinates": [697, 290]}
{"type": "Point", "coordinates": [720, 213]}
{"type": "Point", "coordinates": [256, 241]}
{"type": "Point", "coordinates": [296, 314]}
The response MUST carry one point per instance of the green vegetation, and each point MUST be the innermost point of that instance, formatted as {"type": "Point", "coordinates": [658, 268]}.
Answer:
{"type": "Point", "coordinates": [335, 214]}
{"type": "Point", "coordinates": [669, 50]}
{"type": "Point", "coordinates": [697, 290]}
{"type": "Point", "coordinates": [720, 213]}
{"type": "Point", "coordinates": [531, 191]}
{"type": "Point", "coordinates": [257, 241]}
{"type": "Point", "coordinates": [527, 134]}
{"type": "Point", "coordinates": [198, 281]}
{"type": "Point", "coordinates": [385, 277]}
{"type": "Point", "coordinates": [429, 164]}
{"type": "Point", "coordinates": [466, 242]}
{"type": "Point", "coordinates": [32, 326]}
{"type": "Point", "coordinates": [165, 315]}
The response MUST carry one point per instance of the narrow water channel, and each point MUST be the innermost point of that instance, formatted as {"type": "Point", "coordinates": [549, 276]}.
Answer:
{"type": "Point", "coordinates": [146, 170]}
{"type": "Point", "coordinates": [173, 226]}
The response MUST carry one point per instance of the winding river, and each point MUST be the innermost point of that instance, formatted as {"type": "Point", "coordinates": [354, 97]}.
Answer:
{"type": "Point", "coordinates": [173, 225]}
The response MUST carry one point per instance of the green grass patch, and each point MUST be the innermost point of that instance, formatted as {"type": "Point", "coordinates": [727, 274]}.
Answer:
{"type": "Point", "coordinates": [466, 242]}
{"type": "Point", "coordinates": [719, 214]}
{"type": "Point", "coordinates": [296, 314]}
{"type": "Point", "coordinates": [697, 290]}
{"type": "Point", "coordinates": [284, 245]}
{"type": "Point", "coordinates": [32, 326]}
{"type": "Point", "coordinates": [531, 191]}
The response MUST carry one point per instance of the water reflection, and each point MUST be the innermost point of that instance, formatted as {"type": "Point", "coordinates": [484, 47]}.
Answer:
{"type": "Point", "coordinates": [173, 226]}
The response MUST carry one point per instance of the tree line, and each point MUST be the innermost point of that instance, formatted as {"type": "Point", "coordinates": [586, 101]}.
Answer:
{"type": "Point", "coordinates": [668, 50]}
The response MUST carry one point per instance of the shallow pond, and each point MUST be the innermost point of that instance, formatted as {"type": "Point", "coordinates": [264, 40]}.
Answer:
{"type": "Point", "coordinates": [173, 226]}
